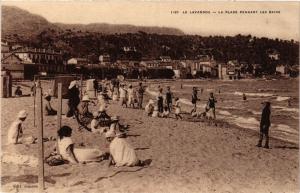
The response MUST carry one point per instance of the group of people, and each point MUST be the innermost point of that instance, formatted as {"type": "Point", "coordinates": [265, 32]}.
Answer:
{"type": "Point", "coordinates": [120, 152]}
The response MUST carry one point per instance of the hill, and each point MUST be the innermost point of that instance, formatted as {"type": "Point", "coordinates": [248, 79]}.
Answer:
{"type": "Point", "coordinates": [16, 21]}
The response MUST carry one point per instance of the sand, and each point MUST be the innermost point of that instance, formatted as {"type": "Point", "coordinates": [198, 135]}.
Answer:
{"type": "Point", "coordinates": [186, 157]}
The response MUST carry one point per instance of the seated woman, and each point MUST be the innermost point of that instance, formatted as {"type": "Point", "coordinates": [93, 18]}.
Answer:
{"type": "Point", "coordinates": [48, 107]}
{"type": "Point", "coordinates": [65, 147]}
{"type": "Point", "coordinates": [18, 92]}
{"type": "Point", "coordinates": [84, 107]}
{"type": "Point", "coordinates": [15, 131]}
{"type": "Point", "coordinates": [121, 152]}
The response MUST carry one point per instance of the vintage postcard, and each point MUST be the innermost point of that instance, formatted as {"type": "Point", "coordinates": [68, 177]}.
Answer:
{"type": "Point", "coordinates": [150, 97]}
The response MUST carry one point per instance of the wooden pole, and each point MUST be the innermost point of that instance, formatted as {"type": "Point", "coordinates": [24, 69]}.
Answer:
{"type": "Point", "coordinates": [34, 96]}
{"type": "Point", "coordinates": [81, 80]}
{"type": "Point", "coordinates": [40, 138]}
{"type": "Point", "coordinates": [59, 109]}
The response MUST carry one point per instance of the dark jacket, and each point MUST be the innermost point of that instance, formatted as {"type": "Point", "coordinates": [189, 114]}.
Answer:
{"type": "Point", "coordinates": [73, 95]}
{"type": "Point", "coordinates": [265, 117]}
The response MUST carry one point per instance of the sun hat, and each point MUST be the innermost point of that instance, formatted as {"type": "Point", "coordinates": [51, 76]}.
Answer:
{"type": "Point", "coordinates": [22, 114]}
{"type": "Point", "coordinates": [86, 98]}
{"type": "Point", "coordinates": [110, 133]}
{"type": "Point", "coordinates": [72, 84]}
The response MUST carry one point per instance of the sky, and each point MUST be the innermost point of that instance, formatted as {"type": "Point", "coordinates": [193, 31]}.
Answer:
{"type": "Point", "coordinates": [283, 25]}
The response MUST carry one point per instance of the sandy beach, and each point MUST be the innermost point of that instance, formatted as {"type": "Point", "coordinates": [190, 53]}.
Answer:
{"type": "Point", "coordinates": [186, 156]}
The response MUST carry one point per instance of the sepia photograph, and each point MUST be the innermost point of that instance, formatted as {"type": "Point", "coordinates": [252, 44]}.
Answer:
{"type": "Point", "coordinates": [149, 96]}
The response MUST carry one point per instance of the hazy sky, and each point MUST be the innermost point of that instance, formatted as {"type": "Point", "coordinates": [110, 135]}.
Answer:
{"type": "Point", "coordinates": [284, 25]}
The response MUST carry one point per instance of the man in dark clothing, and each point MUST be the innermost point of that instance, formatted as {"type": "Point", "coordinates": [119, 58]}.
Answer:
{"type": "Point", "coordinates": [140, 93]}
{"type": "Point", "coordinates": [194, 99]}
{"type": "Point", "coordinates": [74, 100]}
{"type": "Point", "coordinates": [96, 86]}
{"type": "Point", "coordinates": [265, 124]}
{"type": "Point", "coordinates": [169, 96]}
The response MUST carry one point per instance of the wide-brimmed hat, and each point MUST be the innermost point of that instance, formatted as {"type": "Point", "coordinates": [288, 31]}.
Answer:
{"type": "Point", "coordinates": [110, 133]}
{"type": "Point", "coordinates": [86, 98]}
{"type": "Point", "coordinates": [22, 114]}
{"type": "Point", "coordinates": [72, 84]}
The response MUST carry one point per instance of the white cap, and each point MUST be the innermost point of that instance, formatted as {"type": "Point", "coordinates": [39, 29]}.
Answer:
{"type": "Point", "coordinates": [110, 133]}
{"type": "Point", "coordinates": [86, 98]}
{"type": "Point", "coordinates": [72, 84]}
{"type": "Point", "coordinates": [22, 114]}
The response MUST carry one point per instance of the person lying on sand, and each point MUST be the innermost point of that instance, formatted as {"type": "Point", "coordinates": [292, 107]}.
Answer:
{"type": "Point", "coordinates": [121, 152]}
{"type": "Point", "coordinates": [15, 131]}
{"type": "Point", "coordinates": [65, 147]}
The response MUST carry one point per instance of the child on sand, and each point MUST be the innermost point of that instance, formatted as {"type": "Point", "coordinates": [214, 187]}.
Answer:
{"type": "Point", "coordinates": [166, 112]}
{"type": "Point", "coordinates": [123, 93]}
{"type": "Point", "coordinates": [18, 92]}
{"type": "Point", "coordinates": [155, 112]}
{"type": "Point", "coordinates": [211, 105]}
{"type": "Point", "coordinates": [177, 109]}
{"type": "Point", "coordinates": [149, 108]}
{"type": "Point", "coordinates": [194, 99]}
{"type": "Point", "coordinates": [15, 131]}
{"type": "Point", "coordinates": [160, 100]}
{"type": "Point", "coordinates": [49, 110]}
{"type": "Point", "coordinates": [131, 94]}
{"type": "Point", "coordinates": [169, 96]}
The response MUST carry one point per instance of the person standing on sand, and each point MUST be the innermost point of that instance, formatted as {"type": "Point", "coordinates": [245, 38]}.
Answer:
{"type": "Point", "coordinates": [123, 95]}
{"type": "Point", "coordinates": [131, 94]}
{"type": "Point", "coordinates": [160, 99]}
{"type": "Point", "coordinates": [74, 100]}
{"type": "Point", "coordinates": [194, 99]}
{"type": "Point", "coordinates": [211, 104]}
{"type": "Point", "coordinates": [169, 96]}
{"type": "Point", "coordinates": [265, 124]}
{"type": "Point", "coordinates": [140, 93]}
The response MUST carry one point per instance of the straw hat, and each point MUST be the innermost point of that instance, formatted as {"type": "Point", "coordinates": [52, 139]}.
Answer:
{"type": "Point", "coordinates": [110, 133]}
{"type": "Point", "coordinates": [72, 84]}
{"type": "Point", "coordinates": [22, 114]}
{"type": "Point", "coordinates": [86, 98]}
